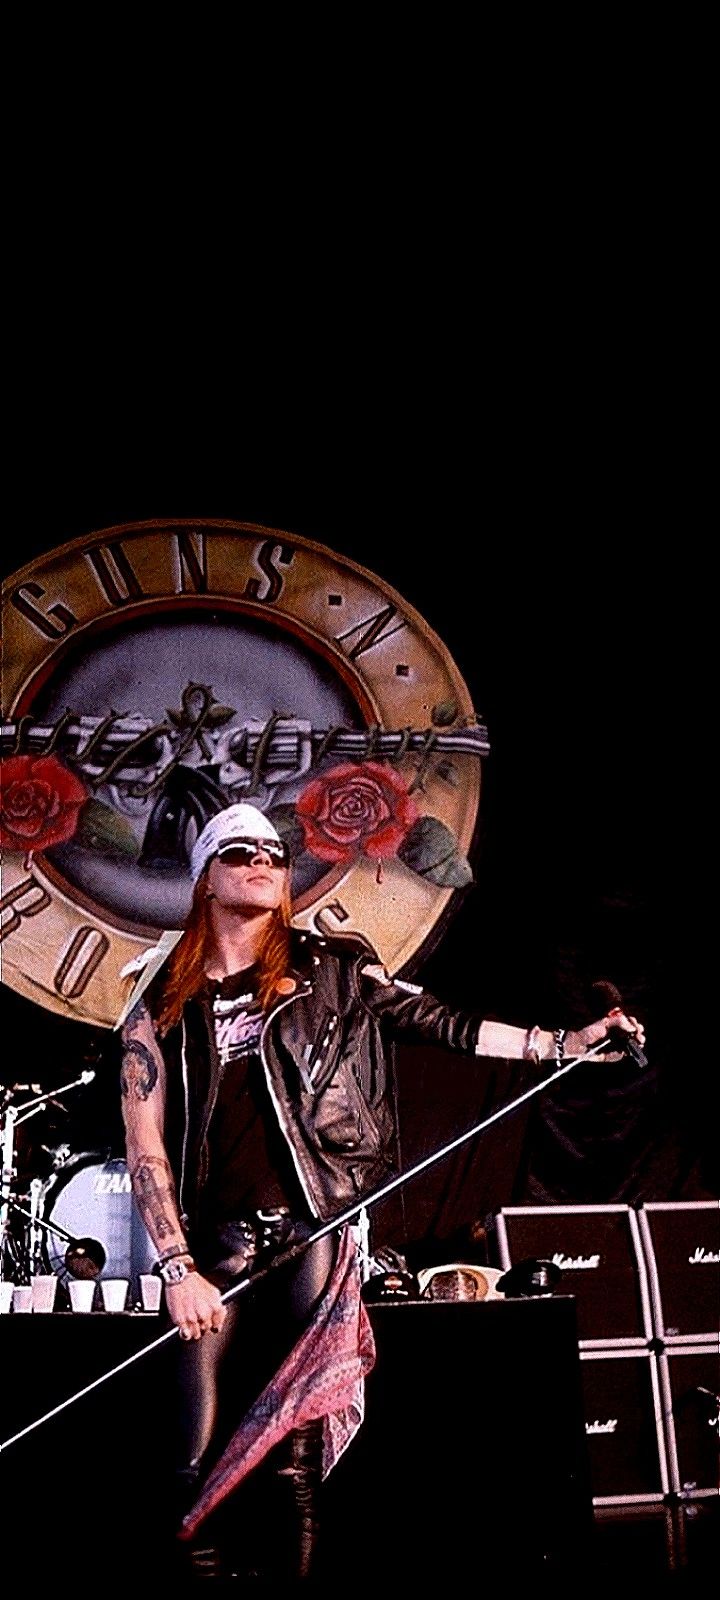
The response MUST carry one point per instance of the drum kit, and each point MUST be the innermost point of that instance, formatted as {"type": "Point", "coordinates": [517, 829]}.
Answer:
{"type": "Point", "coordinates": [75, 1219]}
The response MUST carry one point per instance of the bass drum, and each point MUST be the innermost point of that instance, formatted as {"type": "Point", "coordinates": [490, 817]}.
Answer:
{"type": "Point", "coordinates": [92, 1199]}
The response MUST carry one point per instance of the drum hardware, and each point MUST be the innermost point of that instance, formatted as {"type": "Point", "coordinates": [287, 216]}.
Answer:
{"type": "Point", "coordinates": [60, 1154]}
{"type": "Point", "coordinates": [90, 1197]}
{"type": "Point", "coordinates": [35, 1234]}
{"type": "Point", "coordinates": [84, 1258]}
{"type": "Point", "coordinates": [10, 1089]}
{"type": "Point", "coordinates": [30, 1108]}
{"type": "Point", "coordinates": [18, 1256]}
{"type": "Point", "coordinates": [7, 1173]}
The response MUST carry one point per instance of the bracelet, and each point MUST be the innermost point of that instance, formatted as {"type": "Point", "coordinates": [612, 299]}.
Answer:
{"type": "Point", "coordinates": [559, 1037]}
{"type": "Point", "coordinates": [531, 1050]}
{"type": "Point", "coordinates": [173, 1251]}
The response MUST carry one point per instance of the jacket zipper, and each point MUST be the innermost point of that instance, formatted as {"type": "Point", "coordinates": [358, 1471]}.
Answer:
{"type": "Point", "coordinates": [215, 1062]}
{"type": "Point", "coordinates": [322, 1047]}
{"type": "Point", "coordinates": [186, 1092]}
{"type": "Point", "coordinates": [278, 1109]}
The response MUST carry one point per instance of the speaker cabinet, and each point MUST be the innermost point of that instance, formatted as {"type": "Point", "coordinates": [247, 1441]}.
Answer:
{"type": "Point", "coordinates": [472, 1457]}
{"type": "Point", "coordinates": [681, 1240]}
{"type": "Point", "coordinates": [599, 1252]}
{"type": "Point", "coordinates": [690, 1377]}
{"type": "Point", "coordinates": [623, 1407]}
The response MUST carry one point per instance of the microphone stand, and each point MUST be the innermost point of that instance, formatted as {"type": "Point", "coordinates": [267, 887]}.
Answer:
{"type": "Point", "coordinates": [359, 1206]}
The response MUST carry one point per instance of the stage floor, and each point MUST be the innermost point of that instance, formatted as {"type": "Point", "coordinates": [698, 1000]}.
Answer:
{"type": "Point", "coordinates": [668, 1549]}
{"type": "Point", "coordinates": [468, 1474]}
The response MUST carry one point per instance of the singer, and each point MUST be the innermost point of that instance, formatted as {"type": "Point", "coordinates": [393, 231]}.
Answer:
{"type": "Point", "coordinates": [255, 1100]}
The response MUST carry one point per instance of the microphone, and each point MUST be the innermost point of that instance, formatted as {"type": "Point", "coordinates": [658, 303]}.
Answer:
{"type": "Point", "coordinates": [607, 998]}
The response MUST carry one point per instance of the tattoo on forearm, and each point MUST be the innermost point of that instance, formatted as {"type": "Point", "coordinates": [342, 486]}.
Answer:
{"type": "Point", "coordinates": [155, 1194]}
{"type": "Point", "coordinates": [139, 1071]}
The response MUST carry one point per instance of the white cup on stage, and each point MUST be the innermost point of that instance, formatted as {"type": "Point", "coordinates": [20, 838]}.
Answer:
{"type": "Point", "coordinates": [22, 1297]}
{"type": "Point", "coordinates": [82, 1293]}
{"type": "Point", "coordinates": [43, 1289]}
{"type": "Point", "coordinates": [150, 1291]}
{"type": "Point", "coordinates": [6, 1295]}
{"type": "Point", "coordinates": [114, 1293]}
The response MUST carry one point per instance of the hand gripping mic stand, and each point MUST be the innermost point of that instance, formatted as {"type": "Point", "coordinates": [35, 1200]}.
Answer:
{"type": "Point", "coordinates": [359, 1206]}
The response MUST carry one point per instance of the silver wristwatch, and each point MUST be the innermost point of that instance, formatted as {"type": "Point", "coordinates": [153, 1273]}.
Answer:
{"type": "Point", "coordinates": [175, 1270]}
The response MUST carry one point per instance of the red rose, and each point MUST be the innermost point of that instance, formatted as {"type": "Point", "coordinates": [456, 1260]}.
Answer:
{"type": "Point", "coordinates": [39, 802]}
{"type": "Point", "coordinates": [356, 808]}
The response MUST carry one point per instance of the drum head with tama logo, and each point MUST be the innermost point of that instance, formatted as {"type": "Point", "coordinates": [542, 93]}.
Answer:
{"type": "Point", "coordinates": [91, 1200]}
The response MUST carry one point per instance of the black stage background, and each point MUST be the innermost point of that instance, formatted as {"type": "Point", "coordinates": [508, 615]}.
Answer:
{"type": "Point", "coordinates": [561, 615]}
{"type": "Point", "coordinates": [564, 628]}
{"type": "Point", "coordinates": [466, 347]}
{"type": "Point", "coordinates": [550, 551]}
{"type": "Point", "coordinates": [467, 350]}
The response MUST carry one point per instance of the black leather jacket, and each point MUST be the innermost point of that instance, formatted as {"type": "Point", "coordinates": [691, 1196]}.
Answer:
{"type": "Point", "coordinates": [324, 1054]}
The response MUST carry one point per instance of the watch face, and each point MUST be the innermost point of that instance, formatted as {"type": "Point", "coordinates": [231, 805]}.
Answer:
{"type": "Point", "coordinates": [157, 672]}
{"type": "Point", "coordinates": [173, 1271]}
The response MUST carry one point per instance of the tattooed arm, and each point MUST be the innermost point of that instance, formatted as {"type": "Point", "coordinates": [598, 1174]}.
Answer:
{"type": "Point", "coordinates": [194, 1304]}
{"type": "Point", "coordinates": [142, 1080]}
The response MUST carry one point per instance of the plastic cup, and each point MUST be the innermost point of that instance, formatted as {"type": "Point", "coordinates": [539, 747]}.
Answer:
{"type": "Point", "coordinates": [43, 1290]}
{"type": "Point", "coordinates": [82, 1293]}
{"type": "Point", "coordinates": [6, 1295]}
{"type": "Point", "coordinates": [22, 1297]}
{"type": "Point", "coordinates": [114, 1293]}
{"type": "Point", "coordinates": [150, 1291]}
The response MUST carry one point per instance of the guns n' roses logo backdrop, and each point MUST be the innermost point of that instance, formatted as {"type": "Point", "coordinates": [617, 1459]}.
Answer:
{"type": "Point", "coordinates": [157, 672]}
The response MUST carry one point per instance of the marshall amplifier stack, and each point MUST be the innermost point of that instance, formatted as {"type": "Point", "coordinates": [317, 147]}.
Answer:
{"type": "Point", "coordinates": [647, 1289]}
{"type": "Point", "coordinates": [681, 1241]}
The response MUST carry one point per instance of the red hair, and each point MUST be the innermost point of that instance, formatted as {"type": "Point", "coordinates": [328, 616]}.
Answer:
{"type": "Point", "coordinates": [185, 971]}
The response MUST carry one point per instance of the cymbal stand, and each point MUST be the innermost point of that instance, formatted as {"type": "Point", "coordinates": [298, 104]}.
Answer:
{"type": "Point", "coordinates": [19, 1257]}
{"type": "Point", "coordinates": [34, 1232]}
{"type": "Point", "coordinates": [7, 1173]}
{"type": "Point", "coordinates": [16, 1260]}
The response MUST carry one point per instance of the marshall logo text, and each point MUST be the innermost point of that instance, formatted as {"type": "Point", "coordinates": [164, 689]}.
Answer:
{"type": "Point", "coordinates": [575, 1263]}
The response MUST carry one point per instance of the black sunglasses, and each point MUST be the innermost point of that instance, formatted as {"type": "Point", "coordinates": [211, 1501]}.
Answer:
{"type": "Point", "coordinates": [241, 852]}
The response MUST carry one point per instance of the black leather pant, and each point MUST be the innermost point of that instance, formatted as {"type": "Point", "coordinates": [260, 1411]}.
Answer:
{"type": "Point", "coordinates": [222, 1374]}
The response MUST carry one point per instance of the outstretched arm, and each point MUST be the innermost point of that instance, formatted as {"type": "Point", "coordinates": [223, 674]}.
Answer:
{"type": "Point", "coordinates": [407, 1009]}
{"type": "Point", "coordinates": [537, 1044]}
{"type": "Point", "coordinates": [194, 1305]}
